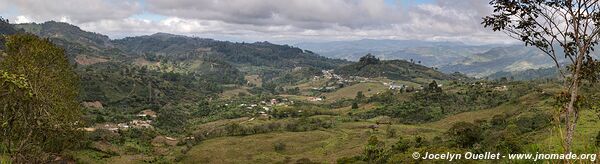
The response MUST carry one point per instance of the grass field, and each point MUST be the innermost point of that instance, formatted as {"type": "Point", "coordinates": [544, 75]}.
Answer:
{"type": "Point", "coordinates": [349, 92]}
{"type": "Point", "coordinates": [347, 138]}
{"type": "Point", "coordinates": [327, 145]}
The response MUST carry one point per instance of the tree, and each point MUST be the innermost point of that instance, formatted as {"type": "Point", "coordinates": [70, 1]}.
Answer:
{"type": "Point", "coordinates": [465, 134]}
{"type": "Point", "coordinates": [172, 119]}
{"type": "Point", "coordinates": [368, 59]}
{"type": "Point", "coordinates": [360, 95]}
{"type": "Point", "coordinates": [566, 28]}
{"type": "Point", "coordinates": [433, 87]}
{"type": "Point", "coordinates": [39, 114]}
{"type": "Point", "coordinates": [401, 146]}
{"type": "Point", "coordinates": [354, 105]}
{"type": "Point", "coordinates": [375, 151]}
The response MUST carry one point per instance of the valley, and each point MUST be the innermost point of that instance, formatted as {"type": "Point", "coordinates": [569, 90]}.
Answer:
{"type": "Point", "coordinates": [166, 98]}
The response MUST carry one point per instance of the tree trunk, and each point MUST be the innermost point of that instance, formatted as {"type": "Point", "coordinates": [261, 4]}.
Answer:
{"type": "Point", "coordinates": [572, 114]}
{"type": "Point", "coordinates": [570, 111]}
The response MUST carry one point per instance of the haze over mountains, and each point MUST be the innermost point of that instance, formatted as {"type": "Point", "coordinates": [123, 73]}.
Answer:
{"type": "Point", "coordinates": [448, 57]}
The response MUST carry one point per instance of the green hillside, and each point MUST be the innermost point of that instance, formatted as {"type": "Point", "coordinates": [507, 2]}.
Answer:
{"type": "Point", "coordinates": [369, 66]}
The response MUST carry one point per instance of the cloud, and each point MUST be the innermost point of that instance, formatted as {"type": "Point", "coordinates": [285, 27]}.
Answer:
{"type": "Point", "coordinates": [77, 11]}
{"type": "Point", "coordinates": [309, 14]}
{"type": "Point", "coordinates": [254, 20]}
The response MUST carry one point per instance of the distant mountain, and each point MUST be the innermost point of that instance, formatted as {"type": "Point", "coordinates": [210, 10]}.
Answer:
{"type": "Point", "coordinates": [473, 60]}
{"type": "Point", "coordinates": [71, 33]}
{"type": "Point", "coordinates": [161, 68]}
{"type": "Point", "coordinates": [260, 54]}
{"type": "Point", "coordinates": [81, 46]}
{"type": "Point", "coordinates": [501, 59]}
{"type": "Point", "coordinates": [6, 28]}
{"type": "Point", "coordinates": [530, 74]}
{"type": "Point", "coordinates": [429, 53]}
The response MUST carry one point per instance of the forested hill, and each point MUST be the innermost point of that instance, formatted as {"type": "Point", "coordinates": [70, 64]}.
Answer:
{"type": "Point", "coordinates": [163, 68]}
{"type": "Point", "coordinates": [6, 27]}
{"type": "Point", "coordinates": [83, 44]}
{"type": "Point", "coordinates": [370, 66]}
{"type": "Point", "coordinates": [253, 54]}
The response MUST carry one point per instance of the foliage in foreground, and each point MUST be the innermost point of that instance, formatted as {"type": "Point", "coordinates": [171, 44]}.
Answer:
{"type": "Point", "coordinates": [39, 115]}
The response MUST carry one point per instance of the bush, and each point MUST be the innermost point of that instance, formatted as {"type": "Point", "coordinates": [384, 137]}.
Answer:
{"type": "Point", "coordinates": [104, 135]}
{"type": "Point", "coordinates": [465, 134]}
{"type": "Point", "coordinates": [499, 121]}
{"type": "Point", "coordinates": [598, 139]}
{"type": "Point", "coordinates": [279, 146]}
{"type": "Point", "coordinates": [390, 131]}
{"type": "Point", "coordinates": [401, 146]}
{"type": "Point", "coordinates": [532, 121]}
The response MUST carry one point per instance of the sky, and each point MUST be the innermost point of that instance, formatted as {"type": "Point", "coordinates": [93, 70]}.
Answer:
{"type": "Point", "coordinates": [278, 21]}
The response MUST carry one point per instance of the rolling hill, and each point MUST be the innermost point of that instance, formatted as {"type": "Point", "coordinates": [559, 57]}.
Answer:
{"type": "Point", "coordinates": [370, 66]}
{"type": "Point", "coordinates": [161, 68]}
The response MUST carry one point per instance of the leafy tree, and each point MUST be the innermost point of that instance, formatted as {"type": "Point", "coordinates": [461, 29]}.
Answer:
{"type": "Point", "coordinates": [464, 134]}
{"type": "Point", "coordinates": [433, 87]}
{"type": "Point", "coordinates": [560, 29]}
{"type": "Point", "coordinates": [390, 131]}
{"type": "Point", "coordinates": [401, 146]}
{"type": "Point", "coordinates": [360, 95]}
{"type": "Point", "coordinates": [354, 105]}
{"type": "Point", "coordinates": [39, 114]}
{"type": "Point", "coordinates": [368, 59]}
{"type": "Point", "coordinates": [172, 119]}
{"type": "Point", "coordinates": [375, 151]}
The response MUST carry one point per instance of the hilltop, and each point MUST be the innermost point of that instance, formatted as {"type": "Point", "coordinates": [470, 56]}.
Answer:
{"type": "Point", "coordinates": [370, 66]}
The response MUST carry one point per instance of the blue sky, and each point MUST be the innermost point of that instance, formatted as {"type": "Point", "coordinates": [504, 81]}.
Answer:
{"type": "Point", "coordinates": [273, 20]}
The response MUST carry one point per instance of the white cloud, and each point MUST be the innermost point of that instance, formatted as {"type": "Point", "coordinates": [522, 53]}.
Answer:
{"type": "Point", "coordinates": [452, 20]}
{"type": "Point", "coordinates": [22, 19]}
{"type": "Point", "coordinates": [77, 11]}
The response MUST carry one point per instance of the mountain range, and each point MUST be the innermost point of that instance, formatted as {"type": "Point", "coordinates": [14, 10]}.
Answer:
{"type": "Point", "coordinates": [161, 68]}
{"type": "Point", "coordinates": [448, 57]}
{"type": "Point", "coordinates": [207, 56]}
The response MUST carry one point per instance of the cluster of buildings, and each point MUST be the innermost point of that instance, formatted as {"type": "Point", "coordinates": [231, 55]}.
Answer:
{"type": "Point", "coordinates": [145, 122]}
{"type": "Point", "coordinates": [266, 106]}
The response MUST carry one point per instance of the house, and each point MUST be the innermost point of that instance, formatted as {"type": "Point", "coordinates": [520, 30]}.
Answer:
{"type": "Point", "coordinates": [315, 99]}
{"type": "Point", "coordinates": [147, 113]}
{"type": "Point", "coordinates": [330, 88]}
{"type": "Point", "coordinates": [141, 124]}
{"type": "Point", "coordinates": [397, 87]}
{"type": "Point", "coordinates": [267, 109]}
{"type": "Point", "coordinates": [108, 126]}
{"type": "Point", "coordinates": [501, 88]}
{"type": "Point", "coordinates": [123, 126]}
{"type": "Point", "coordinates": [274, 101]}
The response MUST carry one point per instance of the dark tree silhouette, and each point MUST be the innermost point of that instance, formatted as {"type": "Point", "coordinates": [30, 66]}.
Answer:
{"type": "Point", "coordinates": [369, 59]}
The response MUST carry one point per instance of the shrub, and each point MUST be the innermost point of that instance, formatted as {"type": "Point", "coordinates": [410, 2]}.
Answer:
{"type": "Point", "coordinates": [532, 121]}
{"type": "Point", "coordinates": [598, 139]}
{"type": "Point", "coordinates": [401, 146]}
{"type": "Point", "coordinates": [465, 134]}
{"type": "Point", "coordinates": [279, 146]}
